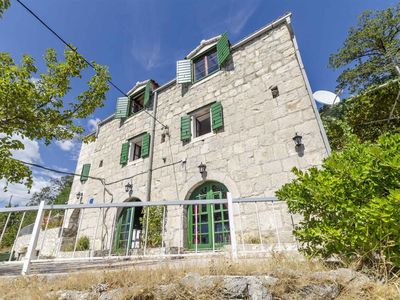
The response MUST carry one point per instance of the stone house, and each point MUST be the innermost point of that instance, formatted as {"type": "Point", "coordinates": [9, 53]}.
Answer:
{"type": "Point", "coordinates": [233, 109]}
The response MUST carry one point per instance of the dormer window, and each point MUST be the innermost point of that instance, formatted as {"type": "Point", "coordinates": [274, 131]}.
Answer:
{"type": "Point", "coordinates": [137, 103]}
{"type": "Point", "coordinates": [205, 64]}
{"type": "Point", "coordinates": [206, 59]}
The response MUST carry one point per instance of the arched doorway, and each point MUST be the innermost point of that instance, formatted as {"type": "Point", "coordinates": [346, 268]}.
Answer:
{"type": "Point", "coordinates": [208, 224]}
{"type": "Point", "coordinates": [128, 228]}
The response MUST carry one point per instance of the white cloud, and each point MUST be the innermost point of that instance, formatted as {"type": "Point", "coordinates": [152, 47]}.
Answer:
{"type": "Point", "coordinates": [146, 52]}
{"type": "Point", "coordinates": [30, 153]}
{"type": "Point", "coordinates": [67, 145]}
{"type": "Point", "coordinates": [93, 124]}
{"type": "Point", "coordinates": [240, 13]}
{"type": "Point", "coordinates": [20, 194]}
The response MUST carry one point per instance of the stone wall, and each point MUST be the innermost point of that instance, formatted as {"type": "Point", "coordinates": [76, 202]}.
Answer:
{"type": "Point", "coordinates": [251, 156]}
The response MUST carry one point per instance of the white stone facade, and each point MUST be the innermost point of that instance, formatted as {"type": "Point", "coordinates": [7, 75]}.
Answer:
{"type": "Point", "coordinates": [252, 156]}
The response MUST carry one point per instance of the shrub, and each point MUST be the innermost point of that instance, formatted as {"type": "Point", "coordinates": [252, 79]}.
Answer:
{"type": "Point", "coordinates": [154, 237]}
{"type": "Point", "coordinates": [351, 206]}
{"type": "Point", "coordinates": [83, 243]}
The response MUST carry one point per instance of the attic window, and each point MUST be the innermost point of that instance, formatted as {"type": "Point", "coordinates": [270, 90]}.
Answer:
{"type": "Point", "coordinates": [137, 103]}
{"type": "Point", "coordinates": [205, 64]}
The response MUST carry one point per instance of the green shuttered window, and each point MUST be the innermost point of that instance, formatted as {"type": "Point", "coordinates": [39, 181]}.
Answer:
{"type": "Point", "coordinates": [145, 145]}
{"type": "Point", "coordinates": [217, 116]}
{"type": "Point", "coordinates": [122, 109]}
{"type": "Point", "coordinates": [147, 92]}
{"type": "Point", "coordinates": [186, 132]}
{"type": "Point", "coordinates": [124, 153]}
{"type": "Point", "coordinates": [85, 172]}
{"type": "Point", "coordinates": [223, 49]}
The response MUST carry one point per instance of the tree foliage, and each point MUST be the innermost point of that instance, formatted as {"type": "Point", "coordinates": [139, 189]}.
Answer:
{"type": "Point", "coordinates": [367, 115]}
{"type": "Point", "coordinates": [35, 106]}
{"type": "Point", "coordinates": [350, 206]}
{"type": "Point", "coordinates": [370, 51]}
{"type": "Point", "coordinates": [4, 4]}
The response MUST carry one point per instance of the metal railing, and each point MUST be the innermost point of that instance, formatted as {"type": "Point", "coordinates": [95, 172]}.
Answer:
{"type": "Point", "coordinates": [236, 227]}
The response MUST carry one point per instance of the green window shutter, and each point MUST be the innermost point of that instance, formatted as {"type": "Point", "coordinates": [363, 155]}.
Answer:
{"type": "Point", "coordinates": [145, 145]}
{"type": "Point", "coordinates": [223, 49]}
{"type": "Point", "coordinates": [147, 92]}
{"type": "Point", "coordinates": [124, 153]}
{"type": "Point", "coordinates": [186, 132]}
{"type": "Point", "coordinates": [85, 172]}
{"type": "Point", "coordinates": [217, 116]}
{"type": "Point", "coordinates": [184, 71]}
{"type": "Point", "coordinates": [122, 108]}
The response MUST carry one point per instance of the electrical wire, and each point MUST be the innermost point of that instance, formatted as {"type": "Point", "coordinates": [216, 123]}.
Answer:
{"type": "Point", "coordinates": [76, 51]}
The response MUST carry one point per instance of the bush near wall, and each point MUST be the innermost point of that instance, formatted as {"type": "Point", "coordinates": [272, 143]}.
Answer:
{"type": "Point", "coordinates": [154, 235]}
{"type": "Point", "coordinates": [351, 205]}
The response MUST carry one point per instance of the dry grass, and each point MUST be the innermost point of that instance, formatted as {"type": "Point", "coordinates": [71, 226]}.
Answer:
{"type": "Point", "coordinates": [142, 282]}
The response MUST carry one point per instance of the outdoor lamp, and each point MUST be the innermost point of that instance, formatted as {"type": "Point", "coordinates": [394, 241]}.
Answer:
{"type": "Point", "coordinates": [202, 168]}
{"type": "Point", "coordinates": [128, 187]}
{"type": "Point", "coordinates": [297, 140]}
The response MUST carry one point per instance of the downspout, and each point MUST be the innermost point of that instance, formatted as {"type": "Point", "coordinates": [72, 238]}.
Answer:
{"type": "Point", "coordinates": [308, 87]}
{"type": "Point", "coordinates": [152, 137]}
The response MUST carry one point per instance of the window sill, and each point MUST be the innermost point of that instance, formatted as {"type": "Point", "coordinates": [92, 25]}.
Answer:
{"type": "Point", "coordinates": [202, 137]}
{"type": "Point", "coordinates": [135, 162]}
{"type": "Point", "coordinates": [206, 78]}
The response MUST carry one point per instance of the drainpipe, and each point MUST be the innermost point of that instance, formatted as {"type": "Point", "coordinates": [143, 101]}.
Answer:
{"type": "Point", "coordinates": [308, 87]}
{"type": "Point", "coordinates": [152, 137]}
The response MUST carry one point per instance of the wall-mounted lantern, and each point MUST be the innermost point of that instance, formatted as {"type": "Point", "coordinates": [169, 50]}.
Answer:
{"type": "Point", "coordinates": [79, 196]}
{"type": "Point", "coordinates": [298, 140]}
{"type": "Point", "coordinates": [128, 188]}
{"type": "Point", "coordinates": [202, 169]}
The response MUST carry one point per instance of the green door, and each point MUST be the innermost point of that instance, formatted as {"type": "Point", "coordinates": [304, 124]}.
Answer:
{"type": "Point", "coordinates": [123, 239]}
{"type": "Point", "coordinates": [208, 223]}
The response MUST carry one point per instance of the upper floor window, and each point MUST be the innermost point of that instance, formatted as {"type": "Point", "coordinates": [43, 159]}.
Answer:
{"type": "Point", "coordinates": [137, 103]}
{"type": "Point", "coordinates": [206, 64]}
{"type": "Point", "coordinates": [201, 122]}
{"type": "Point", "coordinates": [135, 148]}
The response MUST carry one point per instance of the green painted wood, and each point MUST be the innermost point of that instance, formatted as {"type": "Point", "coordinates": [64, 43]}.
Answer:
{"type": "Point", "coordinates": [147, 93]}
{"type": "Point", "coordinates": [122, 109]}
{"type": "Point", "coordinates": [223, 49]}
{"type": "Point", "coordinates": [217, 116]}
{"type": "Point", "coordinates": [209, 190]}
{"type": "Point", "coordinates": [124, 153]}
{"type": "Point", "coordinates": [145, 145]}
{"type": "Point", "coordinates": [85, 172]}
{"type": "Point", "coordinates": [186, 132]}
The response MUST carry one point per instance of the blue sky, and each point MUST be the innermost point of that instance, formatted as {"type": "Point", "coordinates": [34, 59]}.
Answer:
{"type": "Point", "coordinates": [138, 40]}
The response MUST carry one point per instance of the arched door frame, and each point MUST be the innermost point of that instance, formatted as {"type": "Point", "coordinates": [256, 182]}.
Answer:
{"type": "Point", "coordinates": [127, 229]}
{"type": "Point", "coordinates": [208, 224]}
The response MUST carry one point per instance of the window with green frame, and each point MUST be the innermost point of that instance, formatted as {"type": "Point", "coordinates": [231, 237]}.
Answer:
{"type": "Point", "coordinates": [208, 225]}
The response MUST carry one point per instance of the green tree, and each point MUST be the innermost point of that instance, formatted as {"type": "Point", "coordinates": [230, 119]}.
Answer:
{"type": "Point", "coordinates": [4, 4]}
{"type": "Point", "coordinates": [367, 115]}
{"type": "Point", "coordinates": [351, 205]}
{"type": "Point", "coordinates": [371, 51]}
{"type": "Point", "coordinates": [35, 106]}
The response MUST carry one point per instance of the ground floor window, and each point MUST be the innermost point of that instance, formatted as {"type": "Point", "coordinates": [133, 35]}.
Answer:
{"type": "Point", "coordinates": [208, 224]}
{"type": "Point", "coordinates": [128, 229]}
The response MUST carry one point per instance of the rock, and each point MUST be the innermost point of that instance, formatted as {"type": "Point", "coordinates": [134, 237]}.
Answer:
{"type": "Point", "coordinates": [321, 291]}
{"type": "Point", "coordinates": [100, 288]}
{"type": "Point", "coordinates": [74, 295]}
{"type": "Point", "coordinates": [112, 294]}
{"type": "Point", "coordinates": [344, 276]}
